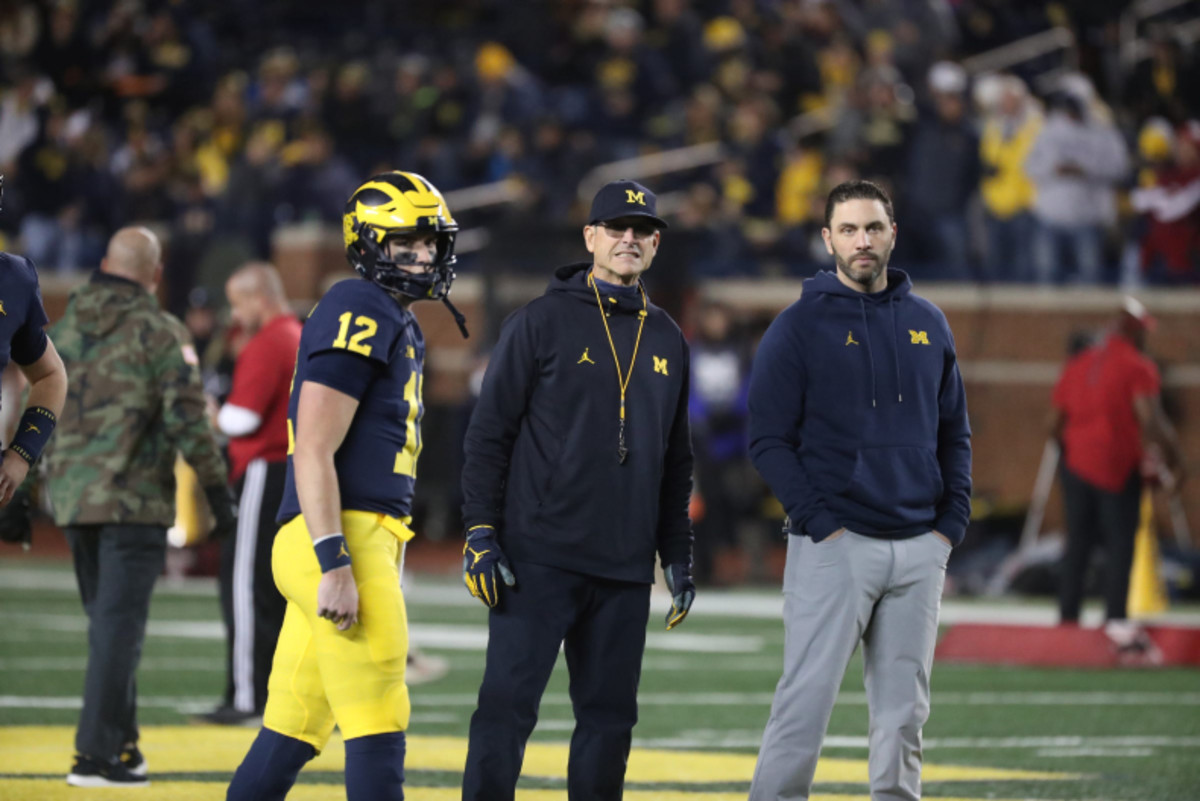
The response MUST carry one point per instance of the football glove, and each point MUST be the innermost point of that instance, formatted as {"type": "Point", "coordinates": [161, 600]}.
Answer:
{"type": "Point", "coordinates": [683, 592]}
{"type": "Point", "coordinates": [482, 559]}
{"type": "Point", "coordinates": [16, 520]}
{"type": "Point", "coordinates": [224, 511]}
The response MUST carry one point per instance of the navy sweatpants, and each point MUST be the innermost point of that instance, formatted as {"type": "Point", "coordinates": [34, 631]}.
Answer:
{"type": "Point", "coordinates": [602, 626]}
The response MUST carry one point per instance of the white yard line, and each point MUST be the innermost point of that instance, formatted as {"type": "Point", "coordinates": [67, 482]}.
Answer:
{"type": "Point", "coordinates": [449, 636]}
{"type": "Point", "coordinates": [704, 739]}
{"type": "Point", "coordinates": [419, 698]}
{"type": "Point", "coordinates": [74, 702]}
{"type": "Point", "coordinates": [757, 604]}
{"type": "Point", "coordinates": [753, 604]}
{"type": "Point", "coordinates": [1099, 699]}
{"type": "Point", "coordinates": [161, 664]}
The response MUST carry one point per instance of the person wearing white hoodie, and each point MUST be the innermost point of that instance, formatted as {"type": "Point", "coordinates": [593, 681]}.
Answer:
{"type": "Point", "coordinates": [1076, 163]}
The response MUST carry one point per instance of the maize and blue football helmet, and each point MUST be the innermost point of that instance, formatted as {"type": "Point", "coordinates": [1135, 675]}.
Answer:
{"type": "Point", "coordinates": [395, 204]}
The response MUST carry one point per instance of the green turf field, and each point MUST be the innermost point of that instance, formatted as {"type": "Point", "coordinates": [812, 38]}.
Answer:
{"type": "Point", "coordinates": [995, 733]}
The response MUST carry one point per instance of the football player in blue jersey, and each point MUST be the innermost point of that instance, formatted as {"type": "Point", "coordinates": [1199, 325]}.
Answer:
{"type": "Point", "coordinates": [354, 437]}
{"type": "Point", "coordinates": [23, 341]}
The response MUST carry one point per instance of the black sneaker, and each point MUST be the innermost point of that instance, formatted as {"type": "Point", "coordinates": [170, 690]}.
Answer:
{"type": "Point", "coordinates": [133, 760]}
{"type": "Point", "coordinates": [228, 716]}
{"type": "Point", "coordinates": [88, 772]}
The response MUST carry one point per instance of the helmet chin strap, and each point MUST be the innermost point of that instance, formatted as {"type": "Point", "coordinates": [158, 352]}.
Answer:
{"type": "Point", "coordinates": [458, 317]}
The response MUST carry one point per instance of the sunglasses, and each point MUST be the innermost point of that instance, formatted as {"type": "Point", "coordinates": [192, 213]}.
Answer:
{"type": "Point", "coordinates": [641, 230]}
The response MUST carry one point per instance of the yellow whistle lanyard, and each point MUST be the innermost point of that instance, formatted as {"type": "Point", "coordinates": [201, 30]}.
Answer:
{"type": "Point", "coordinates": [623, 382]}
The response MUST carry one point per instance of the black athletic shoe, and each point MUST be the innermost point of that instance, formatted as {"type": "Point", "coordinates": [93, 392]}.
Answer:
{"type": "Point", "coordinates": [88, 772]}
{"type": "Point", "coordinates": [133, 760]}
{"type": "Point", "coordinates": [228, 716]}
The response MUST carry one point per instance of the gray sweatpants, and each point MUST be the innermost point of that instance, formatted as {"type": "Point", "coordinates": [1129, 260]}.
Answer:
{"type": "Point", "coordinates": [886, 593]}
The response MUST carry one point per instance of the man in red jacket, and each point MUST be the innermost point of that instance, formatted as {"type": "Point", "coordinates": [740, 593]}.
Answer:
{"type": "Point", "coordinates": [1106, 403]}
{"type": "Point", "coordinates": [254, 417]}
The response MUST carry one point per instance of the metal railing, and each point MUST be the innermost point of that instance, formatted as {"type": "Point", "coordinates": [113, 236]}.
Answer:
{"type": "Point", "coordinates": [667, 161]}
{"type": "Point", "coordinates": [1018, 52]}
{"type": "Point", "coordinates": [1132, 47]}
{"type": "Point", "coordinates": [483, 195]}
{"type": "Point", "coordinates": [1184, 32]}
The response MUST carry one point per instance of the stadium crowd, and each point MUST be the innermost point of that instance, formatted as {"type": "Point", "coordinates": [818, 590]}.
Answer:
{"type": "Point", "coordinates": [219, 122]}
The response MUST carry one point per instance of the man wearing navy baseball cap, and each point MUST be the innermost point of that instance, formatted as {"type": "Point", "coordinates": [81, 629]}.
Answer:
{"type": "Point", "coordinates": [578, 471]}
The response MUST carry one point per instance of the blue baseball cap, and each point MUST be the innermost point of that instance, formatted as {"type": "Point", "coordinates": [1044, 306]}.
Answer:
{"type": "Point", "coordinates": [623, 198]}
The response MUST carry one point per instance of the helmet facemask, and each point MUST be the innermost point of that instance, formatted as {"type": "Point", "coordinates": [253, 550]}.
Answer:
{"type": "Point", "coordinates": [379, 267]}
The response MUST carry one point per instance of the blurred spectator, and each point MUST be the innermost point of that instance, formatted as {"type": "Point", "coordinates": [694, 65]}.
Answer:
{"type": "Point", "coordinates": [943, 175]}
{"type": "Point", "coordinates": [51, 229]}
{"type": "Point", "coordinates": [798, 192]}
{"type": "Point", "coordinates": [873, 132]}
{"type": "Point", "coordinates": [192, 227]}
{"type": "Point", "coordinates": [20, 27]}
{"type": "Point", "coordinates": [1076, 162]}
{"type": "Point", "coordinates": [1012, 122]}
{"type": "Point", "coordinates": [754, 144]}
{"type": "Point", "coordinates": [717, 406]}
{"type": "Point", "coordinates": [19, 124]}
{"type": "Point", "coordinates": [141, 165]}
{"type": "Point", "coordinates": [1106, 404]}
{"type": "Point", "coordinates": [316, 178]}
{"type": "Point", "coordinates": [677, 32]}
{"type": "Point", "coordinates": [64, 55]}
{"type": "Point", "coordinates": [1167, 83]}
{"type": "Point", "coordinates": [631, 82]}
{"type": "Point", "coordinates": [410, 101]}
{"type": "Point", "coordinates": [1170, 199]}
{"type": "Point", "coordinates": [349, 116]}
{"type": "Point", "coordinates": [249, 204]}
{"type": "Point", "coordinates": [711, 239]}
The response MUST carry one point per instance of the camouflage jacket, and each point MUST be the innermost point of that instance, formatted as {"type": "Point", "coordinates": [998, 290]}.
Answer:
{"type": "Point", "coordinates": [134, 400]}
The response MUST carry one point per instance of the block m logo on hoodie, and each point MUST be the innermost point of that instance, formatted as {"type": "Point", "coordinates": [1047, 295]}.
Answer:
{"type": "Point", "coordinates": [918, 337]}
{"type": "Point", "coordinates": [660, 365]}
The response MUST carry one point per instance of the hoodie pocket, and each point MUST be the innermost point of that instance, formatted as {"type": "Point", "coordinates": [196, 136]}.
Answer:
{"type": "Point", "coordinates": [903, 482]}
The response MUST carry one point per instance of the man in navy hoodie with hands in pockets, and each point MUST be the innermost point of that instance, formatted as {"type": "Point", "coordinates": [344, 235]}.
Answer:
{"type": "Point", "coordinates": [858, 422]}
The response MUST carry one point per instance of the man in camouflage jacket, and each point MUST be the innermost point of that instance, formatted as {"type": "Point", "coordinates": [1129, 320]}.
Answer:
{"type": "Point", "coordinates": [134, 401]}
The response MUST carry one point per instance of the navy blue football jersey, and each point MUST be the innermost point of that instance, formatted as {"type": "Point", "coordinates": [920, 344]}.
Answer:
{"type": "Point", "coordinates": [22, 318]}
{"type": "Point", "coordinates": [377, 461]}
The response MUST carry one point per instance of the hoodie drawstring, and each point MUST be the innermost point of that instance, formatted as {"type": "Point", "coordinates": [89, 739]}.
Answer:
{"type": "Point", "coordinates": [896, 351]}
{"type": "Point", "coordinates": [862, 307]}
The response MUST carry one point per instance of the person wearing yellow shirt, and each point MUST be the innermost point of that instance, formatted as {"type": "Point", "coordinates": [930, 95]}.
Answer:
{"type": "Point", "coordinates": [1007, 191]}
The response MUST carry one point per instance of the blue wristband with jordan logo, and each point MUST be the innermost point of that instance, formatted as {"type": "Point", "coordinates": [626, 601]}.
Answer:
{"type": "Point", "coordinates": [33, 432]}
{"type": "Point", "coordinates": [332, 552]}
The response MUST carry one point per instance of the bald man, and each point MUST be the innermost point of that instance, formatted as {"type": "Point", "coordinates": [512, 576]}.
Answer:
{"type": "Point", "coordinates": [254, 417]}
{"type": "Point", "coordinates": [134, 402]}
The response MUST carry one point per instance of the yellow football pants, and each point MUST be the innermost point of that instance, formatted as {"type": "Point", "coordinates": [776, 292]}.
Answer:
{"type": "Point", "coordinates": [322, 676]}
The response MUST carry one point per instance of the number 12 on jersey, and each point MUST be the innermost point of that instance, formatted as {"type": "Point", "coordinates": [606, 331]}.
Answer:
{"type": "Point", "coordinates": [366, 329]}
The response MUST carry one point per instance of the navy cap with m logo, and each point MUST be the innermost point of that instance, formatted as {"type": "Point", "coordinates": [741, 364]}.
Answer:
{"type": "Point", "coordinates": [624, 198]}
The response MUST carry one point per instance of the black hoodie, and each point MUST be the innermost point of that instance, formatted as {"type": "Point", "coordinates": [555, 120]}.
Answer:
{"type": "Point", "coordinates": [541, 448]}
